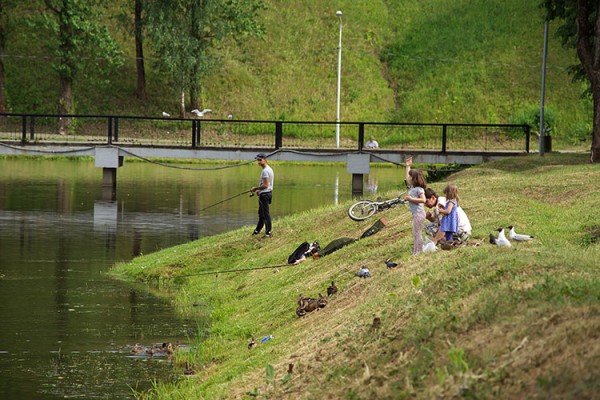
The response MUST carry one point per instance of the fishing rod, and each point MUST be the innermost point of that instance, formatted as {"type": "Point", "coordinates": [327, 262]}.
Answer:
{"type": "Point", "coordinates": [229, 198]}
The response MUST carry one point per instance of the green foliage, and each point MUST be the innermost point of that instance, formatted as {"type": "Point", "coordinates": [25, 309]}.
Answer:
{"type": "Point", "coordinates": [409, 61]}
{"type": "Point", "coordinates": [185, 34]}
{"type": "Point", "coordinates": [530, 115]}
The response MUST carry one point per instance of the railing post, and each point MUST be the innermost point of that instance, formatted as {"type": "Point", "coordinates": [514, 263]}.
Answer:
{"type": "Point", "coordinates": [193, 133]}
{"type": "Point", "coordinates": [24, 130]}
{"type": "Point", "coordinates": [116, 132]}
{"type": "Point", "coordinates": [444, 138]}
{"type": "Point", "coordinates": [198, 133]}
{"type": "Point", "coordinates": [527, 138]}
{"type": "Point", "coordinates": [109, 130]}
{"type": "Point", "coordinates": [278, 135]}
{"type": "Point", "coordinates": [32, 127]}
{"type": "Point", "coordinates": [361, 135]}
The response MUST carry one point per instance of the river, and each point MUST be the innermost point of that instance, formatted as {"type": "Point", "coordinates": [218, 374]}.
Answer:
{"type": "Point", "coordinates": [67, 327]}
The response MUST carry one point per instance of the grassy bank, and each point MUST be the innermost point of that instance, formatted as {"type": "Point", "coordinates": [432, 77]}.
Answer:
{"type": "Point", "coordinates": [479, 321]}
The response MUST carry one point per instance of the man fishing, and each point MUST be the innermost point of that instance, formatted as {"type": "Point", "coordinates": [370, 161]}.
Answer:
{"type": "Point", "coordinates": [265, 195]}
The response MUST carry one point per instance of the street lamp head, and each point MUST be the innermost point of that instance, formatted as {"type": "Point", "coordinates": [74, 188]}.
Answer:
{"type": "Point", "coordinates": [339, 14]}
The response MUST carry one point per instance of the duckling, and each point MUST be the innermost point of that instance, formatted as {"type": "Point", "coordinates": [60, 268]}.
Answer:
{"type": "Point", "coordinates": [138, 350]}
{"type": "Point", "coordinates": [331, 290]}
{"type": "Point", "coordinates": [312, 305]}
{"type": "Point", "coordinates": [321, 301]}
{"type": "Point", "coordinates": [188, 370]}
{"type": "Point", "coordinates": [252, 343]}
{"type": "Point", "coordinates": [376, 324]}
{"type": "Point", "coordinates": [300, 311]}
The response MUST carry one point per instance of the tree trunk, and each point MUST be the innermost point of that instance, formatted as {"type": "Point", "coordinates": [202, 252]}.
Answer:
{"type": "Point", "coordinates": [182, 110]}
{"type": "Point", "coordinates": [65, 104]}
{"type": "Point", "coordinates": [139, 52]}
{"type": "Point", "coordinates": [595, 154]}
{"type": "Point", "coordinates": [2, 41]}
{"type": "Point", "coordinates": [195, 93]}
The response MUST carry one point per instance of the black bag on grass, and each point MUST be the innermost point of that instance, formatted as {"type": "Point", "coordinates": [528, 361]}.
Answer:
{"type": "Point", "coordinates": [298, 253]}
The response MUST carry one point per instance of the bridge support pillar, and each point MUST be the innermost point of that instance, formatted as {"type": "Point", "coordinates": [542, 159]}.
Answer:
{"type": "Point", "coordinates": [357, 184]}
{"type": "Point", "coordinates": [358, 165]}
{"type": "Point", "coordinates": [109, 160]}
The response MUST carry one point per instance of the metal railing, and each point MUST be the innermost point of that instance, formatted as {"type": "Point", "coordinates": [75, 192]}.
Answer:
{"type": "Point", "coordinates": [206, 133]}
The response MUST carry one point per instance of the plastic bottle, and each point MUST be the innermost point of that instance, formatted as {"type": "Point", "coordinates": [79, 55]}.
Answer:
{"type": "Point", "coordinates": [266, 338]}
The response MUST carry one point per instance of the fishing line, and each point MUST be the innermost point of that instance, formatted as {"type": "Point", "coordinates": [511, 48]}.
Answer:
{"type": "Point", "coordinates": [226, 271]}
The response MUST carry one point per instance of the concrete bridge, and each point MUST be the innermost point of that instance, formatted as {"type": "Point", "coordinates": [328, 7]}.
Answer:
{"type": "Point", "coordinates": [116, 137]}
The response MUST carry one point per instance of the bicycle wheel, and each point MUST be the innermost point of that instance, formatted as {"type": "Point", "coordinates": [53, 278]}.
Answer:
{"type": "Point", "coordinates": [362, 210]}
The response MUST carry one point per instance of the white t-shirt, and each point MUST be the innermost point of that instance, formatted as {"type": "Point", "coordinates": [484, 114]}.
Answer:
{"type": "Point", "coordinates": [267, 172]}
{"type": "Point", "coordinates": [372, 144]}
{"type": "Point", "coordinates": [464, 225]}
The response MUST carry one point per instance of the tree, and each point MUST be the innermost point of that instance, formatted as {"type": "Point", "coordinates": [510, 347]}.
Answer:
{"type": "Point", "coordinates": [3, 23]}
{"type": "Point", "coordinates": [78, 40]}
{"type": "Point", "coordinates": [580, 29]}
{"type": "Point", "coordinates": [184, 34]}
{"type": "Point", "coordinates": [139, 51]}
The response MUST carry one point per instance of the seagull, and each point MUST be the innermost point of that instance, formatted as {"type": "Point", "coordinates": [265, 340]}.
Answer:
{"type": "Point", "coordinates": [200, 113]}
{"type": "Point", "coordinates": [501, 241]}
{"type": "Point", "coordinates": [331, 290]}
{"type": "Point", "coordinates": [390, 264]}
{"type": "Point", "coordinates": [512, 235]}
{"type": "Point", "coordinates": [166, 114]}
{"type": "Point", "coordinates": [363, 273]}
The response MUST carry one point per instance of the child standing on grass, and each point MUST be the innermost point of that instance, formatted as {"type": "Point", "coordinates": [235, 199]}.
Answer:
{"type": "Point", "coordinates": [416, 201]}
{"type": "Point", "coordinates": [449, 223]}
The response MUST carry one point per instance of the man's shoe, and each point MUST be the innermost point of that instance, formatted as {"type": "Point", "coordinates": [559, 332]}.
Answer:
{"type": "Point", "coordinates": [255, 232]}
{"type": "Point", "coordinates": [268, 234]}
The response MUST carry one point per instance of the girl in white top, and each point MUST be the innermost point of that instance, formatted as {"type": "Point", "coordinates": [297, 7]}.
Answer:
{"type": "Point", "coordinates": [416, 199]}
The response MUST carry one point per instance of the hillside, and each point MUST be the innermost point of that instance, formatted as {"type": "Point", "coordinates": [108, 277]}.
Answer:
{"type": "Point", "coordinates": [475, 322]}
{"type": "Point", "coordinates": [411, 61]}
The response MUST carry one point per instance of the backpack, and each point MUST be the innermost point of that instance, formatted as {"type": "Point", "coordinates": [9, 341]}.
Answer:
{"type": "Point", "coordinates": [298, 254]}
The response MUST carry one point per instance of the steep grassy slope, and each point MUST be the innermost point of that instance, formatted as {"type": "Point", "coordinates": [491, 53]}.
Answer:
{"type": "Point", "coordinates": [418, 61]}
{"type": "Point", "coordinates": [480, 321]}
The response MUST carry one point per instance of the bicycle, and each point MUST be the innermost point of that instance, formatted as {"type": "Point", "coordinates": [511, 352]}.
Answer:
{"type": "Point", "coordinates": [364, 209]}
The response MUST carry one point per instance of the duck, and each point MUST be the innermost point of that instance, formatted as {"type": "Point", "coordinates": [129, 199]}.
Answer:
{"type": "Point", "coordinates": [188, 370]}
{"type": "Point", "coordinates": [376, 324]}
{"type": "Point", "coordinates": [512, 235]}
{"type": "Point", "coordinates": [390, 264]}
{"type": "Point", "coordinates": [332, 289]}
{"type": "Point", "coordinates": [363, 272]}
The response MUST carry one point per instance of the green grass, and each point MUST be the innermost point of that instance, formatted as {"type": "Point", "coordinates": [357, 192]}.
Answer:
{"type": "Point", "coordinates": [409, 61]}
{"type": "Point", "coordinates": [480, 321]}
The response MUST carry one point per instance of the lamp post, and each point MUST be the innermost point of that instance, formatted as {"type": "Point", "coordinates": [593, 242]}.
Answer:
{"type": "Point", "coordinates": [339, 75]}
